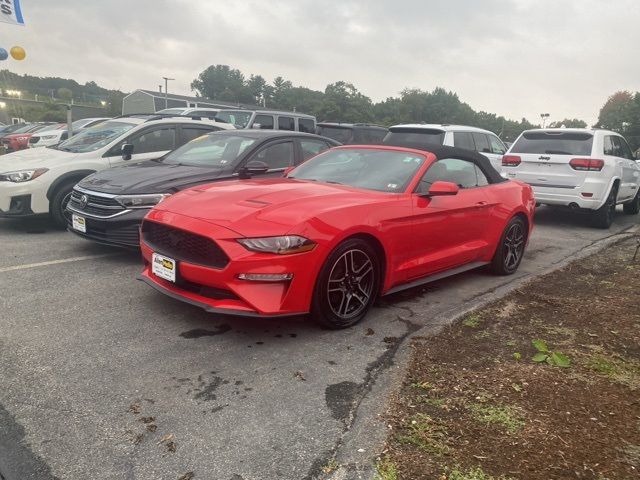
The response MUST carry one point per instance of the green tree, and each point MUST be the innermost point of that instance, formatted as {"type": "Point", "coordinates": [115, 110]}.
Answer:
{"type": "Point", "coordinates": [65, 94]}
{"type": "Point", "coordinates": [220, 82]}
{"type": "Point", "coordinates": [343, 102]}
{"type": "Point", "coordinates": [616, 111]}
{"type": "Point", "coordinates": [569, 123]}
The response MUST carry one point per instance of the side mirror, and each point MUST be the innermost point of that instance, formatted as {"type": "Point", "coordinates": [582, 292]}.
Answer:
{"type": "Point", "coordinates": [254, 167]}
{"type": "Point", "coordinates": [127, 151]}
{"type": "Point", "coordinates": [287, 171]}
{"type": "Point", "coordinates": [440, 189]}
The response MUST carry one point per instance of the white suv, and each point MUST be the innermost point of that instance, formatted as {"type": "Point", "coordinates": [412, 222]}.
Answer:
{"type": "Point", "coordinates": [39, 180]}
{"type": "Point", "coordinates": [581, 168]}
{"type": "Point", "coordinates": [471, 138]}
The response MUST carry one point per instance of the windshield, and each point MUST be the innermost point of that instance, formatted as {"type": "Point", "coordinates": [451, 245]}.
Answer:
{"type": "Point", "coordinates": [561, 143]}
{"type": "Point", "coordinates": [211, 150]}
{"type": "Point", "coordinates": [239, 119]}
{"type": "Point", "coordinates": [341, 134]}
{"type": "Point", "coordinates": [24, 129]}
{"type": "Point", "coordinates": [96, 137]}
{"type": "Point", "coordinates": [371, 169]}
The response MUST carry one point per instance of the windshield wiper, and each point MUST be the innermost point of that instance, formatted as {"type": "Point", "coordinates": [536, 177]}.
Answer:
{"type": "Point", "coordinates": [333, 182]}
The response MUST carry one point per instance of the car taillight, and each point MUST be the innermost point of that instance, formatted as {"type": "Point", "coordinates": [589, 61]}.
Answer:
{"type": "Point", "coordinates": [586, 164]}
{"type": "Point", "coordinates": [511, 160]}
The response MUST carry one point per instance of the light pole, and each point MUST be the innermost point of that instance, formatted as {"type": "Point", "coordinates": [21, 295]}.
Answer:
{"type": "Point", "coordinates": [166, 89]}
{"type": "Point", "coordinates": [544, 117]}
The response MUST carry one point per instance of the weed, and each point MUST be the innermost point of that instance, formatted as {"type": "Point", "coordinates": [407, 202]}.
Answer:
{"type": "Point", "coordinates": [555, 359]}
{"type": "Point", "coordinates": [425, 434]}
{"type": "Point", "coordinates": [386, 470]}
{"type": "Point", "coordinates": [434, 402]}
{"type": "Point", "coordinates": [330, 466]}
{"type": "Point", "coordinates": [517, 356]}
{"type": "Point", "coordinates": [471, 474]}
{"type": "Point", "coordinates": [422, 385]}
{"type": "Point", "coordinates": [472, 321]}
{"type": "Point", "coordinates": [511, 343]}
{"type": "Point", "coordinates": [503, 415]}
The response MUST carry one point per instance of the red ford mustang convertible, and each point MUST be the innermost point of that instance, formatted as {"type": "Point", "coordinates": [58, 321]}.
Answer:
{"type": "Point", "coordinates": [347, 226]}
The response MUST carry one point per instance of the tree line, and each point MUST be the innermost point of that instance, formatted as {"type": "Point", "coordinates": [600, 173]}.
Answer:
{"type": "Point", "coordinates": [341, 101]}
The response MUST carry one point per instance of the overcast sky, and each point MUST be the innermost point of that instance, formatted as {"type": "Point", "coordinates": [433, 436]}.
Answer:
{"type": "Point", "coordinates": [514, 58]}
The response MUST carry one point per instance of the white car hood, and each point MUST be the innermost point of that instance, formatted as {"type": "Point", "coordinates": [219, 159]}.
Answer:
{"type": "Point", "coordinates": [34, 158]}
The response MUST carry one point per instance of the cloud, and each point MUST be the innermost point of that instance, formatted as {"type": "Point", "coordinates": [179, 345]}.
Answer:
{"type": "Point", "coordinates": [515, 58]}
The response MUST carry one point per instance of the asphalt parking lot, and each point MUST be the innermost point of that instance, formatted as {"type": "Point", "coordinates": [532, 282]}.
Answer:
{"type": "Point", "coordinates": [102, 377]}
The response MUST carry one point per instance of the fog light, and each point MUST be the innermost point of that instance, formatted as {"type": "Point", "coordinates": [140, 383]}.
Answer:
{"type": "Point", "coordinates": [266, 277]}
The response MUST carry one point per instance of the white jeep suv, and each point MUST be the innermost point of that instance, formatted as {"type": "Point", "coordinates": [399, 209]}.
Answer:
{"type": "Point", "coordinates": [590, 169]}
{"type": "Point", "coordinates": [471, 138]}
{"type": "Point", "coordinates": [39, 180]}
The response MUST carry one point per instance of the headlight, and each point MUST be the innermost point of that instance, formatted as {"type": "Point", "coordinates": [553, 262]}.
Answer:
{"type": "Point", "coordinates": [284, 245]}
{"type": "Point", "coordinates": [141, 201]}
{"type": "Point", "coordinates": [48, 137]}
{"type": "Point", "coordinates": [22, 175]}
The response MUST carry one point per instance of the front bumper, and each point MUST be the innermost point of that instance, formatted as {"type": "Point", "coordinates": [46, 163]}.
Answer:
{"type": "Point", "coordinates": [120, 231]}
{"type": "Point", "coordinates": [11, 194]}
{"type": "Point", "coordinates": [220, 290]}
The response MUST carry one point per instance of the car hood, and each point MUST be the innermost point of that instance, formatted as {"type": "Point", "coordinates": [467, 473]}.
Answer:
{"type": "Point", "coordinates": [265, 207]}
{"type": "Point", "coordinates": [148, 177]}
{"type": "Point", "coordinates": [33, 158]}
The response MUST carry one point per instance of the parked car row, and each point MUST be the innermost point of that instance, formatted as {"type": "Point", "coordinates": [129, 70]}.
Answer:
{"type": "Point", "coordinates": [241, 219]}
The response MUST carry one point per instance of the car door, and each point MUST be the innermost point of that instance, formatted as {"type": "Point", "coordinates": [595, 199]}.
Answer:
{"type": "Point", "coordinates": [148, 143]}
{"type": "Point", "coordinates": [449, 231]}
{"type": "Point", "coordinates": [629, 169]}
{"type": "Point", "coordinates": [278, 155]}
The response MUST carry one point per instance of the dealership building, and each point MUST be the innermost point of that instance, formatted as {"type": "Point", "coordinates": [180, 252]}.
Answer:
{"type": "Point", "coordinates": [148, 101]}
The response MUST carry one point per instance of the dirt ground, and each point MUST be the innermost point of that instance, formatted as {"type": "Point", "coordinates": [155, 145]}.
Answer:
{"type": "Point", "coordinates": [543, 384]}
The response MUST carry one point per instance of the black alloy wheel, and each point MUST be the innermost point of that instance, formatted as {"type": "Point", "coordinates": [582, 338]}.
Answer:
{"type": "Point", "coordinates": [510, 251]}
{"type": "Point", "coordinates": [347, 286]}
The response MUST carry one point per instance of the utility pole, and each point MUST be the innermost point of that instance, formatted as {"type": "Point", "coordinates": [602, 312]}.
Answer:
{"type": "Point", "coordinates": [166, 89]}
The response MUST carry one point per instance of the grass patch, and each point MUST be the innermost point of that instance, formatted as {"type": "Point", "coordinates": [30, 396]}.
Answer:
{"type": "Point", "coordinates": [471, 474]}
{"type": "Point", "coordinates": [330, 466]}
{"type": "Point", "coordinates": [422, 432]}
{"type": "Point", "coordinates": [386, 470]}
{"type": "Point", "coordinates": [472, 321]}
{"type": "Point", "coordinates": [616, 369]}
{"type": "Point", "coordinates": [632, 455]}
{"type": "Point", "coordinates": [503, 415]}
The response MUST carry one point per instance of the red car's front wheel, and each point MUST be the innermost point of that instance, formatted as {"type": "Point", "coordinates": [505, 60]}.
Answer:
{"type": "Point", "coordinates": [347, 285]}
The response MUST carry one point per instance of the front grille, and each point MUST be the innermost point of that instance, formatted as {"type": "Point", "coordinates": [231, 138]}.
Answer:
{"type": "Point", "coordinates": [96, 204]}
{"type": "Point", "coordinates": [129, 235]}
{"type": "Point", "coordinates": [206, 291]}
{"type": "Point", "coordinates": [33, 140]}
{"type": "Point", "coordinates": [182, 245]}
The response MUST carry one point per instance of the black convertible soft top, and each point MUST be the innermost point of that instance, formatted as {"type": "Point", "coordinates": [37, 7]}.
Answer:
{"type": "Point", "coordinates": [442, 151]}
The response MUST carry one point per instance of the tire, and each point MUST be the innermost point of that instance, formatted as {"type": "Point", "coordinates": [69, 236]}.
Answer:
{"type": "Point", "coordinates": [510, 250]}
{"type": "Point", "coordinates": [632, 207]}
{"type": "Point", "coordinates": [603, 217]}
{"type": "Point", "coordinates": [347, 286]}
{"type": "Point", "coordinates": [58, 204]}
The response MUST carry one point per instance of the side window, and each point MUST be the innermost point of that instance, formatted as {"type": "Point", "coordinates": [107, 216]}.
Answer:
{"type": "Point", "coordinates": [454, 170]}
{"type": "Point", "coordinates": [286, 123]}
{"type": "Point", "coordinates": [482, 143]}
{"type": "Point", "coordinates": [496, 145]}
{"type": "Point", "coordinates": [265, 121]}
{"type": "Point", "coordinates": [463, 140]}
{"type": "Point", "coordinates": [617, 146]}
{"type": "Point", "coordinates": [278, 156]}
{"type": "Point", "coordinates": [190, 133]}
{"type": "Point", "coordinates": [481, 177]}
{"type": "Point", "coordinates": [609, 149]}
{"type": "Point", "coordinates": [626, 149]}
{"type": "Point", "coordinates": [311, 148]}
{"type": "Point", "coordinates": [154, 140]}
{"type": "Point", "coordinates": [64, 136]}
{"type": "Point", "coordinates": [203, 113]}
{"type": "Point", "coordinates": [306, 125]}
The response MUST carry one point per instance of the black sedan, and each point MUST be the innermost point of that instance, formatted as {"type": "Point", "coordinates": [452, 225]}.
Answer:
{"type": "Point", "coordinates": [109, 206]}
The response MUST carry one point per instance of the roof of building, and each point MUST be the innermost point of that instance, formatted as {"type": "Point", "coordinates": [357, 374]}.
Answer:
{"type": "Point", "coordinates": [186, 98]}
